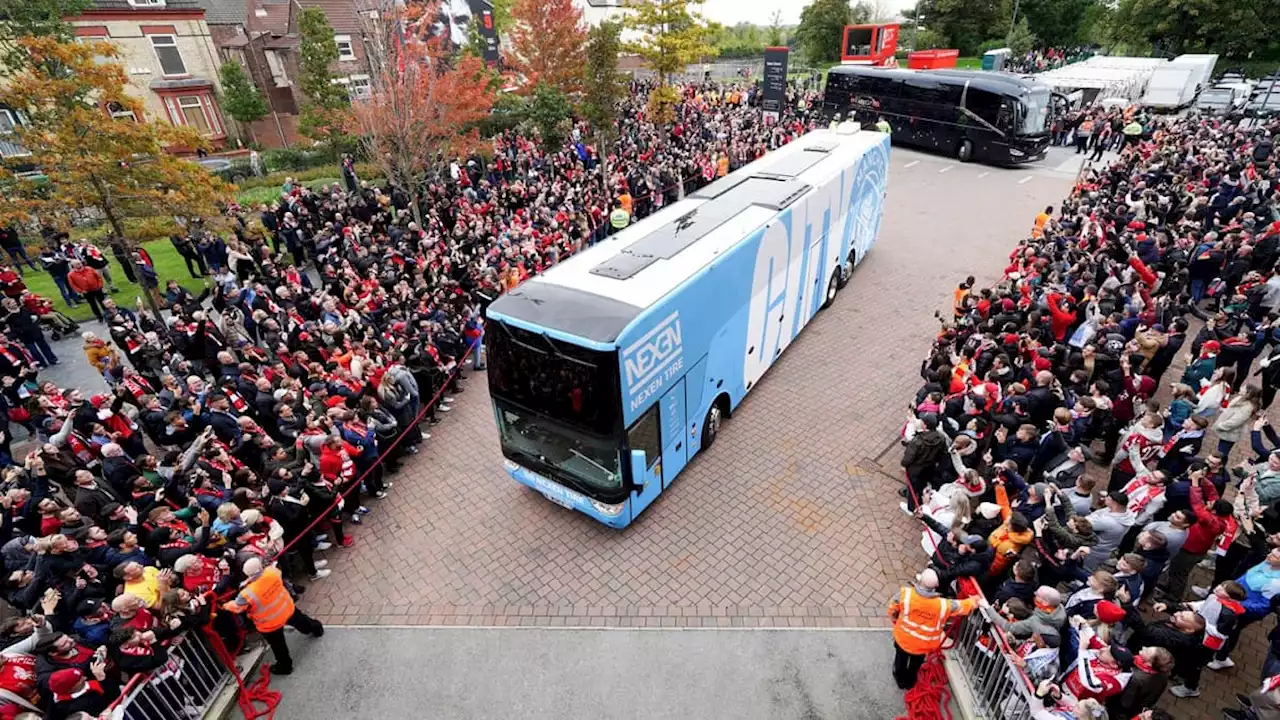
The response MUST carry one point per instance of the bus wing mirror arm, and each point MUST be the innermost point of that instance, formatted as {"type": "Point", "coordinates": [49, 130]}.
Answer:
{"type": "Point", "coordinates": [639, 467]}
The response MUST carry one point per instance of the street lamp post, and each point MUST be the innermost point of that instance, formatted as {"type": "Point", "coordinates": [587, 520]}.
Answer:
{"type": "Point", "coordinates": [915, 31]}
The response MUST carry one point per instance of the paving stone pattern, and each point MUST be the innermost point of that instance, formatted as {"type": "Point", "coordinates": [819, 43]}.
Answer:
{"type": "Point", "coordinates": [786, 521]}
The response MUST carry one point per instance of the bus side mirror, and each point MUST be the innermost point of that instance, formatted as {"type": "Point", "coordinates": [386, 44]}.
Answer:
{"type": "Point", "coordinates": [639, 467]}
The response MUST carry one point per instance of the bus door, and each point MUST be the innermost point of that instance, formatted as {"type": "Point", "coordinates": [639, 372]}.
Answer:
{"type": "Point", "coordinates": [674, 441]}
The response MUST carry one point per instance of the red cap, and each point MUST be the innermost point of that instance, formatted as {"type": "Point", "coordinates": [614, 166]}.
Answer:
{"type": "Point", "coordinates": [63, 682]}
{"type": "Point", "coordinates": [1108, 612]}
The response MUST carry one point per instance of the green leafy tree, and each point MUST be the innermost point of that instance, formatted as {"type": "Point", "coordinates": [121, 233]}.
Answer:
{"type": "Point", "coordinates": [929, 39]}
{"type": "Point", "coordinates": [1057, 23]}
{"type": "Point", "coordinates": [325, 105]}
{"type": "Point", "coordinates": [240, 98]}
{"type": "Point", "coordinates": [966, 24]}
{"type": "Point", "coordinates": [1235, 28]}
{"type": "Point", "coordinates": [603, 87]}
{"type": "Point", "coordinates": [549, 111]}
{"type": "Point", "coordinates": [821, 28]}
{"type": "Point", "coordinates": [502, 14]}
{"type": "Point", "coordinates": [1020, 38]}
{"type": "Point", "coordinates": [669, 36]}
{"type": "Point", "coordinates": [775, 37]}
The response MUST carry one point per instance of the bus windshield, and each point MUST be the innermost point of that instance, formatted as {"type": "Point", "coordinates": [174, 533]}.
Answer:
{"type": "Point", "coordinates": [592, 461]}
{"type": "Point", "coordinates": [1034, 111]}
{"type": "Point", "coordinates": [569, 383]}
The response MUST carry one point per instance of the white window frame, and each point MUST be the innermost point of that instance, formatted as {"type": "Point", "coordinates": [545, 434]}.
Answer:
{"type": "Point", "coordinates": [359, 87]}
{"type": "Point", "coordinates": [206, 108]}
{"type": "Point", "coordinates": [147, 3]}
{"type": "Point", "coordinates": [85, 39]}
{"type": "Point", "coordinates": [173, 43]}
{"type": "Point", "coordinates": [349, 53]}
{"type": "Point", "coordinates": [12, 118]}
{"type": "Point", "coordinates": [121, 114]}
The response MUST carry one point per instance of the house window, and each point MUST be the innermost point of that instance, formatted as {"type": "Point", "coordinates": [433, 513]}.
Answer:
{"type": "Point", "coordinates": [276, 65]}
{"type": "Point", "coordinates": [345, 49]}
{"type": "Point", "coordinates": [194, 114]}
{"type": "Point", "coordinates": [90, 39]}
{"type": "Point", "coordinates": [8, 148]}
{"type": "Point", "coordinates": [166, 47]}
{"type": "Point", "coordinates": [358, 87]}
{"type": "Point", "coordinates": [120, 112]}
{"type": "Point", "coordinates": [147, 3]}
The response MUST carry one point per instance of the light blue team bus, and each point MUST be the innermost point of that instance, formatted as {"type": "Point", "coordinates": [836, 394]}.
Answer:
{"type": "Point", "coordinates": [610, 371]}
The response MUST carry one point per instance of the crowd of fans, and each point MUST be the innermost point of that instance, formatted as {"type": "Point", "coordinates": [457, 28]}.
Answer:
{"type": "Point", "coordinates": [1042, 59]}
{"type": "Point", "coordinates": [257, 423]}
{"type": "Point", "coordinates": [1092, 428]}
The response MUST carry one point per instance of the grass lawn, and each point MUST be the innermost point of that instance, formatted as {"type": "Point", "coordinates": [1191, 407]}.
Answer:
{"type": "Point", "coordinates": [969, 63]}
{"type": "Point", "coordinates": [169, 265]}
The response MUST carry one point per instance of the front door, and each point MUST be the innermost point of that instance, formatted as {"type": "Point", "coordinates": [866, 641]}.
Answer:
{"type": "Point", "coordinates": [674, 444]}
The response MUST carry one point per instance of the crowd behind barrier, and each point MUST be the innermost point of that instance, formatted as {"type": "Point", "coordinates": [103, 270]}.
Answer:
{"type": "Point", "coordinates": [249, 432]}
{"type": "Point", "coordinates": [1092, 427]}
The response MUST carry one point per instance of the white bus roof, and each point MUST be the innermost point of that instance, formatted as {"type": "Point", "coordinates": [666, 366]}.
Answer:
{"type": "Point", "coordinates": [656, 279]}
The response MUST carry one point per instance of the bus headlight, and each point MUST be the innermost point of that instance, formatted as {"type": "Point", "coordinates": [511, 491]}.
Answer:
{"type": "Point", "coordinates": [608, 510]}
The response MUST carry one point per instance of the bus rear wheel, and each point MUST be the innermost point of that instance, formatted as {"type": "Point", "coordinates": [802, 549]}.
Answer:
{"type": "Point", "coordinates": [833, 287]}
{"type": "Point", "coordinates": [964, 153]}
{"type": "Point", "coordinates": [846, 270]}
{"type": "Point", "coordinates": [711, 424]}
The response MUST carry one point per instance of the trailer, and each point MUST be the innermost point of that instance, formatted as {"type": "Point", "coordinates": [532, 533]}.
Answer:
{"type": "Point", "coordinates": [1171, 87]}
{"type": "Point", "coordinates": [1203, 65]}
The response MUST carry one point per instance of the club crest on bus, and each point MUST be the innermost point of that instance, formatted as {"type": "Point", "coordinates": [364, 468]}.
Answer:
{"type": "Point", "coordinates": [649, 355]}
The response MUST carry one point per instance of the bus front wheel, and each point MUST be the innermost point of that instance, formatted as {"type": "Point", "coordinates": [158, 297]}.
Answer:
{"type": "Point", "coordinates": [965, 152]}
{"type": "Point", "coordinates": [711, 424]}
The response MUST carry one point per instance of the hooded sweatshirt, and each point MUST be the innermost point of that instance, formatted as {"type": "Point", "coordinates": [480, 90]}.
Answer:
{"type": "Point", "coordinates": [1047, 622]}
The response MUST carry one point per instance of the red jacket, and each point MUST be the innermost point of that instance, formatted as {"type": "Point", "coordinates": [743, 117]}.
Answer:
{"type": "Point", "coordinates": [1060, 319]}
{"type": "Point", "coordinates": [86, 279]}
{"type": "Point", "coordinates": [1208, 526]}
{"type": "Point", "coordinates": [336, 466]}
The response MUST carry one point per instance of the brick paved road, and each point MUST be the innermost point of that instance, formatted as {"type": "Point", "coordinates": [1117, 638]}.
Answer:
{"type": "Point", "coordinates": [785, 522]}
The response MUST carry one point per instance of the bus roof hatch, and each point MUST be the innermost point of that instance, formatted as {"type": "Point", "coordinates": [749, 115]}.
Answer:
{"type": "Point", "coordinates": [765, 190]}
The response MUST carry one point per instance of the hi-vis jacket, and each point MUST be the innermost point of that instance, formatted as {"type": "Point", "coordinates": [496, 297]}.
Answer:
{"type": "Point", "coordinates": [920, 618]}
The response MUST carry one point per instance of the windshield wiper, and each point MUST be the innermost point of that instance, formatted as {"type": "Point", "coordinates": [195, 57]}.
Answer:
{"type": "Point", "coordinates": [597, 465]}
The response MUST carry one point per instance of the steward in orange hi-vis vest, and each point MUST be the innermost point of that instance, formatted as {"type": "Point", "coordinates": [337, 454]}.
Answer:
{"type": "Point", "coordinates": [920, 617]}
{"type": "Point", "coordinates": [270, 606]}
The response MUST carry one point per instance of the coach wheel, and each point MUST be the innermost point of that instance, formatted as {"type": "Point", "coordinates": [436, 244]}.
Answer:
{"type": "Point", "coordinates": [833, 287]}
{"type": "Point", "coordinates": [711, 424]}
{"type": "Point", "coordinates": [965, 152]}
{"type": "Point", "coordinates": [846, 270]}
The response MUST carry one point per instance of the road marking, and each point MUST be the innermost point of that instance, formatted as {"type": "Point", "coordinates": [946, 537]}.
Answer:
{"type": "Point", "coordinates": [913, 162]}
{"type": "Point", "coordinates": [946, 168]}
{"type": "Point", "coordinates": [1025, 179]}
{"type": "Point", "coordinates": [984, 174]}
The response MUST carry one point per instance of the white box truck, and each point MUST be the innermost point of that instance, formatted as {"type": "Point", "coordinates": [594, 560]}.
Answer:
{"type": "Point", "coordinates": [1203, 64]}
{"type": "Point", "coordinates": [1171, 87]}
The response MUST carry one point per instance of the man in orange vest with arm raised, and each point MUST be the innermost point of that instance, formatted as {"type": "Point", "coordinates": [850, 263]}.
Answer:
{"type": "Point", "coordinates": [265, 598]}
{"type": "Point", "coordinates": [920, 615]}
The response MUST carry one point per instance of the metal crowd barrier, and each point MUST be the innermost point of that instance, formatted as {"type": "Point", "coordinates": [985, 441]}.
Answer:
{"type": "Point", "coordinates": [181, 690]}
{"type": "Point", "coordinates": [994, 684]}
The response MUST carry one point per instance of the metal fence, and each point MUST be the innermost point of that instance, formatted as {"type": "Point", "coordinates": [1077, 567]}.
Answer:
{"type": "Point", "coordinates": [997, 687]}
{"type": "Point", "coordinates": [181, 690]}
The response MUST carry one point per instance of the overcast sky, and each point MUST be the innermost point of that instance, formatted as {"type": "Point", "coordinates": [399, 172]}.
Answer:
{"type": "Point", "coordinates": [730, 12]}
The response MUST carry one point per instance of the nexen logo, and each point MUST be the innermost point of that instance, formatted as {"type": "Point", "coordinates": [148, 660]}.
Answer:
{"type": "Point", "coordinates": [651, 354]}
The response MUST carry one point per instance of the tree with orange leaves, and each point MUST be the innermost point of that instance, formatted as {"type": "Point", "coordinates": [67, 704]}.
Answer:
{"type": "Point", "coordinates": [424, 104]}
{"type": "Point", "coordinates": [120, 169]}
{"type": "Point", "coordinates": [548, 41]}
